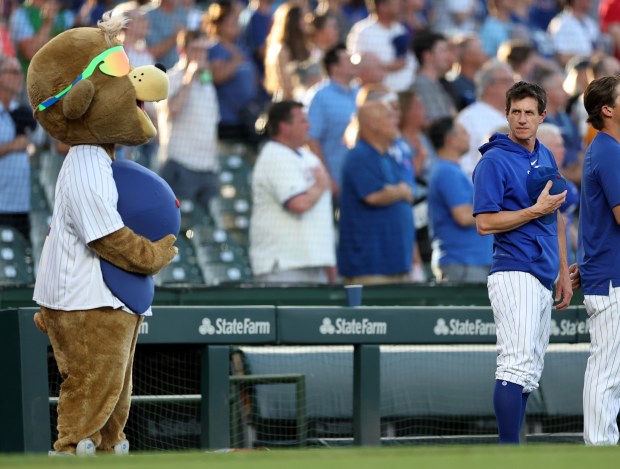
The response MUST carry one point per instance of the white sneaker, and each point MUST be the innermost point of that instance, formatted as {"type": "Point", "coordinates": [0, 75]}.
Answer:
{"type": "Point", "coordinates": [121, 448]}
{"type": "Point", "coordinates": [85, 447]}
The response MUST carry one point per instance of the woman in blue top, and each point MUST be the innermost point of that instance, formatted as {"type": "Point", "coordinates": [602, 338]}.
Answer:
{"type": "Point", "coordinates": [513, 186]}
{"type": "Point", "coordinates": [598, 258]}
{"type": "Point", "coordinates": [234, 73]}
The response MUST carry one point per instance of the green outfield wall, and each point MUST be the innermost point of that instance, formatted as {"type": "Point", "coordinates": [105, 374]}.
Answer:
{"type": "Point", "coordinates": [384, 295]}
{"type": "Point", "coordinates": [25, 406]}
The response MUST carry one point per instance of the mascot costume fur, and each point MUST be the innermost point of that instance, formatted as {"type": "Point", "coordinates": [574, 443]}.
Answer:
{"type": "Point", "coordinates": [85, 93]}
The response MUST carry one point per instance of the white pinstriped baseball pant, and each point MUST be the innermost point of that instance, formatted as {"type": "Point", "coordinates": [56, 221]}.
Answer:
{"type": "Point", "coordinates": [601, 387]}
{"type": "Point", "coordinates": [522, 312]}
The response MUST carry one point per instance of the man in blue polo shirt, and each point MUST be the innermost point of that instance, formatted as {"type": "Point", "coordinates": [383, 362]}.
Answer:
{"type": "Point", "coordinates": [331, 103]}
{"type": "Point", "coordinates": [598, 258]}
{"type": "Point", "coordinates": [514, 183]}
{"type": "Point", "coordinates": [376, 221]}
{"type": "Point", "coordinates": [460, 254]}
{"type": "Point", "coordinates": [14, 162]}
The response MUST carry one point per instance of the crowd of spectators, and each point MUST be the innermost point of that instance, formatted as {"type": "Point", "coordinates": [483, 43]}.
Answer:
{"type": "Point", "coordinates": [426, 79]}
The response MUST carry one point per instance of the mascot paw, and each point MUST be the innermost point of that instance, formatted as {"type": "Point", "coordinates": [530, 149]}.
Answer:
{"type": "Point", "coordinates": [38, 321]}
{"type": "Point", "coordinates": [165, 251]}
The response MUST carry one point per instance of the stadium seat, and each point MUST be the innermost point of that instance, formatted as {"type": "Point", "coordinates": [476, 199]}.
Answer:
{"type": "Point", "coordinates": [187, 251]}
{"type": "Point", "coordinates": [217, 273]}
{"type": "Point", "coordinates": [241, 237]}
{"type": "Point", "coordinates": [184, 268]}
{"type": "Point", "coordinates": [50, 164]}
{"type": "Point", "coordinates": [235, 149]}
{"type": "Point", "coordinates": [40, 216]}
{"type": "Point", "coordinates": [223, 253]}
{"type": "Point", "coordinates": [10, 237]}
{"type": "Point", "coordinates": [39, 201]}
{"type": "Point", "coordinates": [179, 273]}
{"type": "Point", "coordinates": [236, 172]}
{"type": "Point", "coordinates": [16, 262]}
{"type": "Point", "coordinates": [206, 235]}
{"type": "Point", "coordinates": [15, 274]}
{"type": "Point", "coordinates": [231, 214]}
{"type": "Point", "coordinates": [39, 225]}
{"type": "Point", "coordinates": [220, 256]}
{"type": "Point", "coordinates": [235, 184]}
{"type": "Point", "coordinates": [193, 214]}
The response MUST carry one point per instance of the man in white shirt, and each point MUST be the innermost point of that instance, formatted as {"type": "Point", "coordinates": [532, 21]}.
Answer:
{"type": "Point", "coordinates": [484, 117]}
{"type": "Point", "coordinates": [188, 125]}
{"type": "Point", "coordinates": [292, 236]}
{"type": "Point", "coordinates": [381, 34]}
{"type": "Point", "coordinates": [573, 31]}
{"type": "Point", "coordinates": [455, 17]}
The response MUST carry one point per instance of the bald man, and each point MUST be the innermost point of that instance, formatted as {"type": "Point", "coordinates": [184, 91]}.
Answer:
{"type": "Point", "coordinates": [376, 221]}
{"type": "Point", "coordinates": [550, 136]}
{"type": "Point", "coordinates": [369, 68]}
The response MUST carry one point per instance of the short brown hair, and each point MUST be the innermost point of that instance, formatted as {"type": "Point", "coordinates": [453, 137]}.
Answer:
{"type": "Point", "coordinates": [600, 92]}
{"type": "Point", "coordinates": [522, 90]}
{"type": "Point", "coordinates": [279, 112]}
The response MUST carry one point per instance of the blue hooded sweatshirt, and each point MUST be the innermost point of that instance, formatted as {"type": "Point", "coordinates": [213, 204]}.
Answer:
{"type": "Point", "coordinates": [500, 184]}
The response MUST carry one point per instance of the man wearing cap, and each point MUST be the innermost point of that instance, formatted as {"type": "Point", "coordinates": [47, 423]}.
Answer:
{"type": "Point", "coordinates": [517, 191]}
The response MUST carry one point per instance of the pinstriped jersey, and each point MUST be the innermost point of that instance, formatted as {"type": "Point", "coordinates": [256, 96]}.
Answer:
{"type": "Point", "coordinates": [69, 276]}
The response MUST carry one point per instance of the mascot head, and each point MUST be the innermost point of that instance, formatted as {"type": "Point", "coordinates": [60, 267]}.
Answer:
{"type": "Point", "coordinates": [84, 91]}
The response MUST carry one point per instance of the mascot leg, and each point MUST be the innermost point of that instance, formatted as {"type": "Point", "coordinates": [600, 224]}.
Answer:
{"type": "Point", "coordinates": [94, 352]}
{"type": "Point", "coordinates": [112, 432]}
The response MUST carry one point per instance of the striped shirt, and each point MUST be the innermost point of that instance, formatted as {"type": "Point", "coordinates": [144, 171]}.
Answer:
{"type": "Point", "coordinates": [69, 276]}
{"type": "Point", "coordinates": [190, 138]}
{"type": "Point", "coordinates": [14, 171]}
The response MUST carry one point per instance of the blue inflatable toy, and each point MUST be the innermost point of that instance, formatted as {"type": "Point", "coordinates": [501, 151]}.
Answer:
{"type": "Point", "coordinates": [147, 206]}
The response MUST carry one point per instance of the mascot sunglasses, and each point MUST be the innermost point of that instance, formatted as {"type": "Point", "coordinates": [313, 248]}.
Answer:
{"type": "Point", "coordinates": [113, 62]}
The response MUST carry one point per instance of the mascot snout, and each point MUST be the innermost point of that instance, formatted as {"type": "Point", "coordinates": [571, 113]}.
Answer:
{"type": "Point", "coordinates": [151, 84]}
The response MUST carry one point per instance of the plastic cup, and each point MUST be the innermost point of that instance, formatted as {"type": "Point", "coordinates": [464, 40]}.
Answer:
{"type": "Point", "coordinates": [354, 295]}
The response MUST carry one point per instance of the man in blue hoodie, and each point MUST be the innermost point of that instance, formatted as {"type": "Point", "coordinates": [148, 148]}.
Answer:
{"type": "Point", "coordinates": [517, 191]}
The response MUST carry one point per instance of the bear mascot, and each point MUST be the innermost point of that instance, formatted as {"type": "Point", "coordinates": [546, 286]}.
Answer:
{"type": "Point", "coordinates": [85, 93]}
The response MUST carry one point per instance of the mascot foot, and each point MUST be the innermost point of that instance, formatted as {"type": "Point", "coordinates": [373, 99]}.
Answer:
{"type": "Point", "coordinates": [38, 321]}
{"type": "Point", "coordinates": [121, 448]}
{"type": "Point", "coordinates": [85, 447]}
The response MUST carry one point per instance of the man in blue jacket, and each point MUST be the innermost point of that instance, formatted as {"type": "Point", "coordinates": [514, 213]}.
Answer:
{"type": "Point", "coordinates": [517, 191]}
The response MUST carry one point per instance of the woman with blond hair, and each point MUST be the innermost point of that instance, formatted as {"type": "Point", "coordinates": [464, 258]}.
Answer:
{"type": "Point", "coordinates": [289, 66]}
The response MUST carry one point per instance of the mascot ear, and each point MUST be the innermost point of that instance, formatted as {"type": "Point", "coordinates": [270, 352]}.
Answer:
{"type": "Point", "coordinates": [78, 99]}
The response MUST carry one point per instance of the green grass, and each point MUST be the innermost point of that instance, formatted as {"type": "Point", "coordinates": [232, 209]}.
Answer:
{"type": "Point", "coordinates": [457, 457]}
